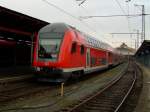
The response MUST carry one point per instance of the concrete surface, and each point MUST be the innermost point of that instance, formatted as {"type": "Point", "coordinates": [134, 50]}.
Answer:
{"type": "Point", "coordinates": [144, 100]}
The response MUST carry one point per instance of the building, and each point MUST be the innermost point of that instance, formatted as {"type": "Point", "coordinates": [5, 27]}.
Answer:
{"type": "Point", "coordinates": [125, 50]}
{"type": "Point", "coordinates": [143, 53]}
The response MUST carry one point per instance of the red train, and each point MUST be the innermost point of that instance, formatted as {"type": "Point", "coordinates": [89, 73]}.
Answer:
{"type": "Point", "coordinates": [61, 51]}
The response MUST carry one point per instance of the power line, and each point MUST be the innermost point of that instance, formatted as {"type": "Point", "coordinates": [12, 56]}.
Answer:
{"type": "Point", "coordinates": [62, 10]}
{"type": "Point", "coordinates": [120, 7]}
{"type": "Point", "coordinates": [100, 35]}
{"type": "Point", "coordinates": [143, 22]}
{"type": "Point", "coordinates": [84, 10]}
{"type": "Point", "coordinates": [125, 33]}
{"type": "Point", "coordinates": [86, 17]}
{"type": "Point", "coordinates": [129, 27]}
{"type": "Point", "coordinates": [128, 22]}
{"type": "Point", "coordinates": [67, 13]}
{"type": "Point", "coordinates": [133, 15]}
{"type": "Point", "coordinates": [82, 1]}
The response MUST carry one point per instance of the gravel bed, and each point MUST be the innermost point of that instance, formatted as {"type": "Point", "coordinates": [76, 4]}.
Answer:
{"type": "Point", "coordinates": [50, 100]}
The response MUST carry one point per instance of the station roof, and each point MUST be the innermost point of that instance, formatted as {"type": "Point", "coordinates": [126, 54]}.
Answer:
{"type": "Point", "coordinates": [144, 48]}
{"type": "Point", "coordinates": [17, 23]}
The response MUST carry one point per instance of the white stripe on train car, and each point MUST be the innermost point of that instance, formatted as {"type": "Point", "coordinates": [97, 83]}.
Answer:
{"type": "Point", "coordinates": [85, 69]}
{"type": "Point", "coordinates": [73, 69]}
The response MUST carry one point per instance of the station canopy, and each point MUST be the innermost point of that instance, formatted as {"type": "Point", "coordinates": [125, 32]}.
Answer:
{"type": "Point", "coordinates": [17, 25]}
{"type": "Point", "coordinates": [144, 48]}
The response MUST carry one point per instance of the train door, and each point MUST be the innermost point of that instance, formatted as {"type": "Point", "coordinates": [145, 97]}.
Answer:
{"type": "Point", "coordinates": [88, 57]}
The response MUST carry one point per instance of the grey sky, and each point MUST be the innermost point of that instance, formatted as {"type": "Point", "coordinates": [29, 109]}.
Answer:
{"type": "Point", "coordinates": [98, 27]}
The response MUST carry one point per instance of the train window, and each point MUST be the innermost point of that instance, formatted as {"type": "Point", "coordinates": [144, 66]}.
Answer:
{"type": "Point", "coordinates": [73, 49]}
{"type": "Point", "coordinates": [93, 61]}
{"type": "Point", "coordinates": [82, 49]}
{"type": "Point", "coordinates": [103, 61]}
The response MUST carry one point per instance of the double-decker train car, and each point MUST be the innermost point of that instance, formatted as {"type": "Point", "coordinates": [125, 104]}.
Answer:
{"type": "Point", "coordinates": [61, 52]}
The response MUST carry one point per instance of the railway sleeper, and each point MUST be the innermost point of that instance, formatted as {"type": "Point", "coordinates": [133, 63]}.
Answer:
{"type": "Point", "coordinates": [108, 105]}
{"type": "Point", "coordinates": [106, 101]}
{"type": "Point", "coordinates": [100, 109]}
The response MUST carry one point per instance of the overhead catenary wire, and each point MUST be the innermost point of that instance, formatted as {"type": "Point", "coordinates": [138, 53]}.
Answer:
{"type": "Point", "coordinates": [132, 15]}
{"type": "Point", "coordinates": [82, 1]}
{"type": "Point", "coordinates": [87, 17]}
{"type": "Point", "coordinates": [120, 6]}
{"type": "Point", "coordinates": [84, 11]}
{"type": "Point", "coordinates": [67, 13]}
{"type": "Point", "coordinates": [75, 17]}
{"type": "Point", "coordinates": [60, 9]}
{"type": "Point", "coordinates": [128, 22]}
{"type": "Point", "coordinates": [98, 34]}
{"type": "Point", "coordinates": [129, 27]}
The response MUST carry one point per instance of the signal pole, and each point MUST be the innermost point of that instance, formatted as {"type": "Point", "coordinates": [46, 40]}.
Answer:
{"type": "Point", "coordinates": [143, 23]}
{"type": "Point", "coordinates": [137, 39]}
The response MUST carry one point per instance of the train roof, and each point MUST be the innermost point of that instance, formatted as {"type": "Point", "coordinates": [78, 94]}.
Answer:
{"type": "Point", "coordinates": [92, 41]}
{"type": "Point", "coordinates": [98, 44]}
{"type": "Point", "coordinates": [55, 27]}
{"type": "Point", "coordinates": [62, 27]}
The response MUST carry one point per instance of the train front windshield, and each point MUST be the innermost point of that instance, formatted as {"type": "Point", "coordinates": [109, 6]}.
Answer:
{"type": "Point", "coordinates": [49, 45]}
{"type": "Point", "coordinates": [50, 39]}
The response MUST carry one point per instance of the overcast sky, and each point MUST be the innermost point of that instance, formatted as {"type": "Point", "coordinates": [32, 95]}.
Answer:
{"type": "Point", "coordinates": [98, 27]}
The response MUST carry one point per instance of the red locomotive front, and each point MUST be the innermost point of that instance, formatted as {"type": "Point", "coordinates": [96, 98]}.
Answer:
{"type": "Point", "coordinates": [56, 52]}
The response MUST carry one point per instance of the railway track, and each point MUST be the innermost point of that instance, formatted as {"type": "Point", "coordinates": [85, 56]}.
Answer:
{"type": "Point", "coordinates": [18, 86]}
{"type": "Point", "coordinates": [13, 82]}
{"type": "Point", "coordinates": [111, 98]}
{"type": "Point", "coordinates": [22, 91]}
{"type": "Point", "coordinates": [11, 79]}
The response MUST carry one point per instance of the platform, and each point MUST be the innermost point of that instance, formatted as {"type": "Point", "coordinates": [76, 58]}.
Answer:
{"type": "Point", "coordinates": [144, 100]}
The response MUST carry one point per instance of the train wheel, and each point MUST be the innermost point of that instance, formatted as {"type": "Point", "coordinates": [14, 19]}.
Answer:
{"type": "Point", "coordinates": [76, 75]}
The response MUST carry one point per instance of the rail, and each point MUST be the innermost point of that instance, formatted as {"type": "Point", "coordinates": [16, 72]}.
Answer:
{"type": "Point", "coordinates": [103, 99]}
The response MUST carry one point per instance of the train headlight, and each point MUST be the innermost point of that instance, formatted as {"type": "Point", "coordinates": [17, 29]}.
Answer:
{"type": "Point", "coordinates": [38, 69]}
